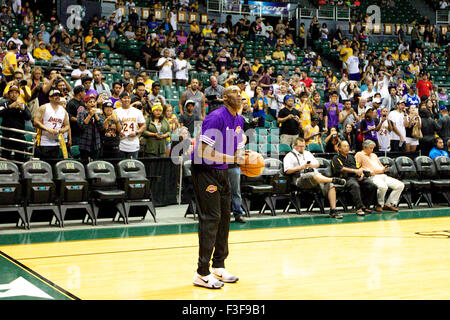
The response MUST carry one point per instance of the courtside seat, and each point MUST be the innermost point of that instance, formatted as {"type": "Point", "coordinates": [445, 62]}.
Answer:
{"type": "Point", "coordinates": [11, 199]}
{"type": "Point", "coordinates": [442, 184]}
{"type": "Point", "coordinates": [103, 188]}
{"type": "Point", "coordinates": [407, 173]}
{"type": "Point", "coordinates": [133, 179]}
{"type": "Point", "coordinates": [426, 170]}
{"type": "Point", "coordinates": [72, 188]}
{"type": "Point", "coordinates": [40, 190]}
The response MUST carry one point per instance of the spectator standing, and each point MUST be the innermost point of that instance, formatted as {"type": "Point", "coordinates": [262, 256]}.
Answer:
{"type": "Point", "coordinates": [384, 132]}
{"type": "Point", "coordinates": [398, 133]}
{"type": "Point", "coordinates": [333, 109]}
{"type": "Point", "coordinates": [214, 94]}
{"type": "Point", "coordinates": [111, 132]}
{"type": "Point", "coordinates": [133, 124]}
{"type": "Point", "coordinates": [51, 120]}
{"type": "Point", "coordinates": [193, 93]}
{"type": "Point", "coordinates": [165, 66]}
{"type": "Point", "coordinates": [14, 113]}
{"type": "Point", "coordinates": [90, 121]}
{"type": "Point", "coordinates": [289, 119]}
{"type": "Point", "coordinates": [156, 133]}
{"type": "Point", "coordinates": [412, 120]}
{"type": "Point", "coordinates": [181, 70]}
{"type": "Point", "coordinates": [444, 124]}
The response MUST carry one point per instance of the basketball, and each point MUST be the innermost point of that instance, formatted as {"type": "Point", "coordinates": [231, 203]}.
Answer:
{"type": "Point", "coordinates": [253, 165]}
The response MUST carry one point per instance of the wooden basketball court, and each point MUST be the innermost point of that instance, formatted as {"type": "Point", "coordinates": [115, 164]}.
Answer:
{"type": "Point", "coordinates": [386, 258]}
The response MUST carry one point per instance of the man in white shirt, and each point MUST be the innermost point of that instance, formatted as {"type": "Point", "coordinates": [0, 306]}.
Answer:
{"type": "Point", "coordinates": [353, 67]}
{"type": "Point", "coordinates": [368, 95]}
{"type": "Point", "coordinates": [80, 72]}
{"type": "Point", "coordinates": [181, 70]}
{"type": "Point", "coordinates": [117, 14]}
{"type": "Point", "coordinates": [100, 86]}
{"type": "Point", "coordinates": [133, 125]}
{"type": "Point", "coordinates": [165, 66]}
{"type": "Point", "coordinates": [369, 161]}
{"type": "Point", "coordinates": [398, 133]}
{"type": "Point", "coordinates": [303, 166]}
{"type": "Point", "coordinates": [15, 38]}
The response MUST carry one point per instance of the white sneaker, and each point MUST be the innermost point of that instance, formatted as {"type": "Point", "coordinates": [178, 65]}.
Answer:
{"type": "Point", "coordinates": [224, 275]}
{"type": "Point", "coordinates": [208, 281]}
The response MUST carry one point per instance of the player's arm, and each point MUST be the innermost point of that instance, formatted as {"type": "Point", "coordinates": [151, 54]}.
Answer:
{"type": "Point", "coordinates": [208, 153]}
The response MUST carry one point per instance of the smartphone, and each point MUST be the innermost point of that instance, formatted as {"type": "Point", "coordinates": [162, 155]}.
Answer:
{"type": "Point", "coordinates": [308, 162]}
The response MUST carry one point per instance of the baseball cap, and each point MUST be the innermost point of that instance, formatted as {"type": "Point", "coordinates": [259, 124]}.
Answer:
{"type": "Point", "coordinates": [401, 101]}
{"type": "Point", "coordinates": [107, 104]}
{"type": "Point", "coordinates": [14, 87]}
{"type": "Point", "coordinates": [314, 118]}
{"type": "Point", "coordinates": [18, 70]}
{"type": "Point", "coordinates": [239, 81]}
{"type": "Point", "coordinates": [54, 92]}
{"type": "Point", "coordinates": [443, 107]}
{"type": "Point", "coordinates": [188, 102]}
{"type": "Point", "coordinates": [82, 63]}
{"type": "Point", "coordinates": [89, 97]}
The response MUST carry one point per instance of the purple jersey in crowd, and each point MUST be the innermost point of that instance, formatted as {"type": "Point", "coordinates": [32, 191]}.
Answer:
{"type": "Point", "coordinates": [223, 132]}
{"type": "Point", "coordinates": [333, 118]}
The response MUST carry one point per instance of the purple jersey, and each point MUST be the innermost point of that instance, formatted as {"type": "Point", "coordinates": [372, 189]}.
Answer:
{"type": "Point", "coordinates": [223, 132]}
{"type": "Point", "coordinates": [333, 118]}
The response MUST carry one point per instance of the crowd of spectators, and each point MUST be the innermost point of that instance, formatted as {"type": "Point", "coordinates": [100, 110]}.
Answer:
{"type": "Point", "coordinates": [370, 98]}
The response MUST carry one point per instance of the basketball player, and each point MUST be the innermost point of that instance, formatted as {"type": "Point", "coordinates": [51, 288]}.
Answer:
{"type": "Point", "coordinates": [221, 143]}
{"type": "Point", "coordinates": [51, 120]}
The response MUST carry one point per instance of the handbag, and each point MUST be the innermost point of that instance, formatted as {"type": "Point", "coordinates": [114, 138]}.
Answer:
{"type": "Point", "coordinates": [416, 132]}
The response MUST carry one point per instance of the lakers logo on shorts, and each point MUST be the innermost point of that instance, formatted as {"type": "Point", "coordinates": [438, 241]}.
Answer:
{"type": "Point", "coordinates": [211, 188]}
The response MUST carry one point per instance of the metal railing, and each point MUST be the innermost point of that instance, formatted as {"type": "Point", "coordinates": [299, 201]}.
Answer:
{"type": "Point", "coordinates": [443, 16]}
{"type": "Point", "coordinates": [30, 143]}
{"type": "Point", "coordinates": [324, 13]}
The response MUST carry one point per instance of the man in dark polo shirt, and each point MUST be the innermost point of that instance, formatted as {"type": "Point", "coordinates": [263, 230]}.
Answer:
{"type": "Point", "coordinates": [221, 142]}
{"type": "Point", "coordinates": [290, 123]}
{"type": "Point", "coordinates": [344, 166]}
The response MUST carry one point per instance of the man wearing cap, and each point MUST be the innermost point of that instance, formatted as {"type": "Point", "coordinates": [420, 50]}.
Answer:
{"type": "Point", "coordinates": [193, 93]}
{"type": "Point", "coordinates": [44, 32]}
{"type": "Point", "coordinates": [42, 52]}
{"type": "Point", "coordinates": [14, 113]}
{"type": "Point", "coordinates": [90, 121]}
{"type": "Point", "coordinates": [80, 72]}
{"type": "Point", "coordinates": [242, 85]}
{"type": "Point", "coordinates": [289, 119]}
{"type": "Point", "coordinates": [187, 119]}
{"type": "Point", "coordinates": [141, 99]}
{"type": "Point", "coordinates": [411, 98]}
{"type": "Point", "coordinates": [10, 62]}
{"type": "Point", "coordinates": [50, 121]}
{"type": "Point", "coordinates": [133, 124]}
{"type": "Point", "coordinates": [111, 132]}
{"type": "Point", "coordinates": [154, 97]}
{"type": "Point", "coordinates": [23, 56]}
{"type": "Point", "coordinates": [25, 91]}
{"type": "Point", "coordinates": [72, 109]}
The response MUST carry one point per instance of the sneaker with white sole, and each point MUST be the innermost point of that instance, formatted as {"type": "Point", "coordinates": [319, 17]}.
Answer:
{"type": "Point", "coordinates": [223, 275]}
{"type": "Point", "coordinates": [209, 281]}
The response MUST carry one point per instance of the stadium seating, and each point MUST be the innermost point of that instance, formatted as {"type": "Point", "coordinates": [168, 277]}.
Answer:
{"type": "Point", "coordinates": [40, 189]}
{"type": "Point", "coordinates": [11, 199]}
{"type": "Point", "coordinates": [103, 188]}
{"type": "Point", "coordinates": [132, 178]}
{"type": "Point", "coordinates": [72, 188]}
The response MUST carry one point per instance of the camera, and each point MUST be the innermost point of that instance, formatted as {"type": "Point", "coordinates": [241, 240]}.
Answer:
{"type": "Point", "coordinates": [308, 170]}
{"type": "Point", "coordinates": [366, 173]}
{"type": "Point", "coordinates": [23, 82]}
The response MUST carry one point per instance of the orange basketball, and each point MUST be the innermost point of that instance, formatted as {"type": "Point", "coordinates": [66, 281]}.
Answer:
{"type": "Point", "coordinates": [253, 166]}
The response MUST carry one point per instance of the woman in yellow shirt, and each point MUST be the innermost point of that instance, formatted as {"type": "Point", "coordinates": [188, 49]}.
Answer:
{"type": "Point", "coordinates": [405, 56]}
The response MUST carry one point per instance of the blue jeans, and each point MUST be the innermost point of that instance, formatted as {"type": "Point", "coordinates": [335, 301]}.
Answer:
{"type": "Point", "coordinates": [129, 155]}
{"type": "Point", "coordinates": [234, 175]}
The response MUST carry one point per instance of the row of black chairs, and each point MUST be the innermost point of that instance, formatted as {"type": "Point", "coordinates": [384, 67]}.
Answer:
{"type": "Point", "coordinates": [424, 178]}
{"type": "Point", "coordinates": [71, 185]}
